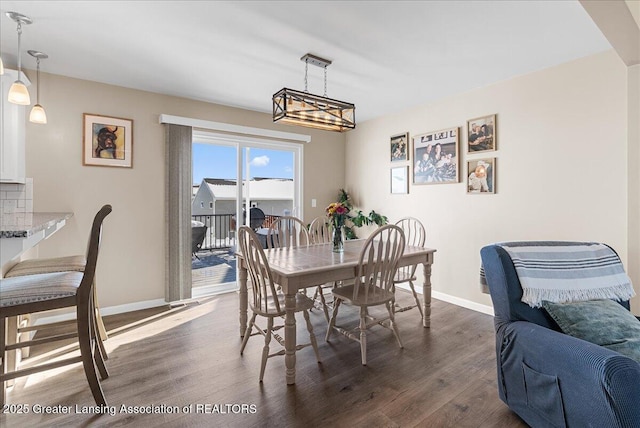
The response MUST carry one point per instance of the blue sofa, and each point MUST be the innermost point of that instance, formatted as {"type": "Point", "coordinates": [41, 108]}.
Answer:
{"type": "Point", "coordinates": [548, 378]}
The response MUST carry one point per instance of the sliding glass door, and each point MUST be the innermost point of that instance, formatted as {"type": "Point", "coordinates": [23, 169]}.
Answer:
{"type": "Point", "coordinates": [237, 181]}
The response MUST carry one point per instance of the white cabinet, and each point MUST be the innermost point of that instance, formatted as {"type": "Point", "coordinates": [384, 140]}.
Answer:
{"type": "Point", "coordinates": [12, 127]}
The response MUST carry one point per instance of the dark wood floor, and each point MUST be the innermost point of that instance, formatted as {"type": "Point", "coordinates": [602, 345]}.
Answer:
{"type": "Point", "coordinates": [189, 356]}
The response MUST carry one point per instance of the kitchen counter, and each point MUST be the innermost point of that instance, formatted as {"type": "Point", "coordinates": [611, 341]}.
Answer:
{"type": "Point", "coordinates": [22, 231]}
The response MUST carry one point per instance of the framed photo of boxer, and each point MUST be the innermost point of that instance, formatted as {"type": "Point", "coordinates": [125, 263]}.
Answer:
{"type": "Point", "coordinates": [108, 141]}
{"type": "Point", "coordinates": [481, 176]}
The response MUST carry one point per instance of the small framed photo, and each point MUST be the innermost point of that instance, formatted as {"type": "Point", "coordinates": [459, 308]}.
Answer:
{"type": "Point", "coordinates": [481, 134]}
{"type": "Point", "coordinates": [400, 147]}
{"type": "Point", "coordinates": [481, 176]}
{"type": "Point", "coordinates": [400, 180]}
{"type": "Point", "coordinates": [435, 157]}
{"type": "Point", "coordinates": [108, 141]}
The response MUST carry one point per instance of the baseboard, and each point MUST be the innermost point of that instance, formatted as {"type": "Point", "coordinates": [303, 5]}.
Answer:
{"type": "Point", "coordinates": [232, 286]}
{"type": "Point", "coordinates": [104, 311]}
{"type": "Point", "coordinates": [454, 300]}
{"type": "Point", "coordinates": [212, 290]}
{"type": "Point", "coordinates": [485, 309]}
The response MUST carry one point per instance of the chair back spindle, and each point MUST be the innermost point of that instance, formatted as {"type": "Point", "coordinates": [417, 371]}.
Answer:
{"type": "Point", "coordinates": [263, 287]}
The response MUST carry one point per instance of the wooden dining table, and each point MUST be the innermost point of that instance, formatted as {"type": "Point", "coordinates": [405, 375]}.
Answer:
{"type": "Point", "coordinates": [301, 267]}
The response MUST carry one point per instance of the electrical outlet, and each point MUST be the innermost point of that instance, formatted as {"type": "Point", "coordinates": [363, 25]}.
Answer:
{"type": "Point", "coordinates": [313, 203]}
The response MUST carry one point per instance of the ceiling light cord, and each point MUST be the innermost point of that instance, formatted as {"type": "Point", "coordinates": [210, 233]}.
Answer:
{"type": "Point", "coordinates": [325, 81]}
{"type": "Point", "coordinates": [306, 71]}
{"type": "Point", "coordinates": [19, 56]}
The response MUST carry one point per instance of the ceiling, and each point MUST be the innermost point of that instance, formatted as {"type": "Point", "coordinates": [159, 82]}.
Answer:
{"type": "Point", "coordinates": [387, 55]}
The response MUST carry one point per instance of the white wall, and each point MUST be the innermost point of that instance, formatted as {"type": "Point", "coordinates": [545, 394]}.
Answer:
{"type": "Point", "coordinates": [561, 169]}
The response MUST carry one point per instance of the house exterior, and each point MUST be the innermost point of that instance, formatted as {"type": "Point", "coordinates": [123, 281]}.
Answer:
{"type": "Point", "coordinates": [218, 196]}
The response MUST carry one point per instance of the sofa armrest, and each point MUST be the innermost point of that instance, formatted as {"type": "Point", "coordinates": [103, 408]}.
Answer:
{"type": "Point", "coordinates": [548, 376]}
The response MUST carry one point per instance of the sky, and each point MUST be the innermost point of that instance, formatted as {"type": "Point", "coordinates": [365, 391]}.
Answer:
{"type": "Point", "coordinates": [212, 161]}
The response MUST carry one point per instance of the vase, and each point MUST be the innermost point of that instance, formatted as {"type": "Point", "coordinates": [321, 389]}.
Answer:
{"type": "Point", "coordinates": [338, 238]}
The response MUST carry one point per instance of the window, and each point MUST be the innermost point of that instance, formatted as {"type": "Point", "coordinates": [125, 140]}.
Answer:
{"type": "Point", "coordinates": [211, 205]}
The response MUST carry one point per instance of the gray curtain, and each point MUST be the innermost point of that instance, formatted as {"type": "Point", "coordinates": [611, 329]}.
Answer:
{"type": "Point", "coordinates": [178, 212]}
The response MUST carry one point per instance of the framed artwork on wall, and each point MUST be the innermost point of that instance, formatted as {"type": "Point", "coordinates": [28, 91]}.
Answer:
{"type": "Point", "coordinates": [400, 147]}
{"type": "Point", "coordinates": [481, 176]}
{"type": "Point", "coordinates": [435, 157]}
{"type": "Point", "coordinates": [481, 134]}
{"type": "Point", "coordinates": [400, 180]}
{"type": "Point", "coordinates": [107, 141]}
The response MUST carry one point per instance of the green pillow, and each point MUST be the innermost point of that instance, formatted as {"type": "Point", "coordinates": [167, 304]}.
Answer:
{"type": "Point", "coordinates": [603, 322]}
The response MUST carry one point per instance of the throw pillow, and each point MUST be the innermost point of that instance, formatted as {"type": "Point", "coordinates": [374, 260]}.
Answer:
{"type": "Point", "coordinates": [603, 322]}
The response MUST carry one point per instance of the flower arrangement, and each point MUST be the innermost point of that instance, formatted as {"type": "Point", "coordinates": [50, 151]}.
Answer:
{"type": "Point", "coordinates": [338, 214]}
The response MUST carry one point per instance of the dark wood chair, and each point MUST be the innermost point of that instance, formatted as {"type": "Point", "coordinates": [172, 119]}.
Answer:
{"type": "Point", "coordinates": [29, 294]}
{"type": "Point", "coordinates": [197, 239]}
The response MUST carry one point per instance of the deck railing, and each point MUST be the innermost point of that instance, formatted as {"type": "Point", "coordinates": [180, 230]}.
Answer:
{"type": "Point", "coordinates": [221, 229]}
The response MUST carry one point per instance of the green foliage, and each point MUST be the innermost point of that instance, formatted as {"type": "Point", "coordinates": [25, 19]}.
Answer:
{"type": "Point", "coordinates": [358, 219]}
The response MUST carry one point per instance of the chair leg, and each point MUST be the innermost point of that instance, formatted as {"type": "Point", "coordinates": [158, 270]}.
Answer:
{"type": "Point", "coordinates": [363, 334]}
{"type": "Point", "coordinates": [392, 320]}
{"type": "Point", "coordinates": [332, 322]}
{"type": "Point", "coordinates": [247, 333]}
{"type": "Point", "coordinates": [84, 340]}
{"type": "Point", "coordinates": [265, 349]}
{"type": "Point", "coordinates": [11, 338]}
{"type": "Point", "coordinates": [3, 362]}
{"type": "Point", "coordinates": [415, 296]}
{"type": "Point", "coordinates": [312, 336]}
{"type": "Point", "coordinates": [324, 303]}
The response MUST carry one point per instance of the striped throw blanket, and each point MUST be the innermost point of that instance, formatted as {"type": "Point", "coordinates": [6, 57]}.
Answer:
{"type": "Point", "coordinates": [565, 272]}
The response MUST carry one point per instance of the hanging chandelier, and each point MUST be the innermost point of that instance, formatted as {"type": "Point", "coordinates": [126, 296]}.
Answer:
{"type": "Point", "coordinates": [314, 111]}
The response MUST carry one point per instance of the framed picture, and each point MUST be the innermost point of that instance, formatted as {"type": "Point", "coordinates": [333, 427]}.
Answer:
{"type": "Point", "coordinates": [400, 180]}
{"type": "Point", "coordinates": [481, 134]}
{"type": "Point", "coordinates": [435, 157]}
{"type": "Point", "coordinates": [481, 176]}
{"type": "Point", "coordinates": [108, 141]}
{"type": "Point", "coordinates": [400, 147]}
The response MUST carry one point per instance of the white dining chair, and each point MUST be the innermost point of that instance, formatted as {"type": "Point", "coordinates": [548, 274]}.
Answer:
{"type": "Point", "coordinates": [373, 286]}
{"type": "Point", "coordinates": [266, 301]}
{"type": "Point", "coordinates": [287, 231]}
{"type": "Point", "coordinates": [415, 235]}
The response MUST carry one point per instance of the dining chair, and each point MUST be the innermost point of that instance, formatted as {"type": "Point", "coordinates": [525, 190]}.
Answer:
{"type": "Point", "coordinates": [373, 286]}
{"type": "Point", "coordinates": [287, 231]}
{"type": "Point", "coordinates": [47, 291]}
{"type": "Point", "coordinates": [319, 230]}
{"type": "Point", "coordinates": [266, 301]}
{"type": "Point", "coordinates": [414, 235]}
{"type": "Point", "coordinates": [75, 263]}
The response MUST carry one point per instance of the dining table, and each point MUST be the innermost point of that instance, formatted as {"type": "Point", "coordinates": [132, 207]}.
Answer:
{"type": "Point", "coordinates": [296, 268]}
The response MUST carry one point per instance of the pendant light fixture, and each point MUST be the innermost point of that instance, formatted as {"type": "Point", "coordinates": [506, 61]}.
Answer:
{"type": "Point", "coordinates": [314, 111]}
{"type": "Point", "coordinates": [1, 67]}
{"type": "Point", "coordinates": [18, 93]}
{"type": "Point", "coordinates": [38, 114]}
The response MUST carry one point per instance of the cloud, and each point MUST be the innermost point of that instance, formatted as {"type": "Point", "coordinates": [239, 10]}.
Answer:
{"type": "Point", "coordinates": [288, 169]}
{"type": "Point", "coordinates": [260, 161]}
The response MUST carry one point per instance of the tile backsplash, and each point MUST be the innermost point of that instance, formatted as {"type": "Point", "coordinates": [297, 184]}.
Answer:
{"type": "Point", "coordinates": [16, 198]}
